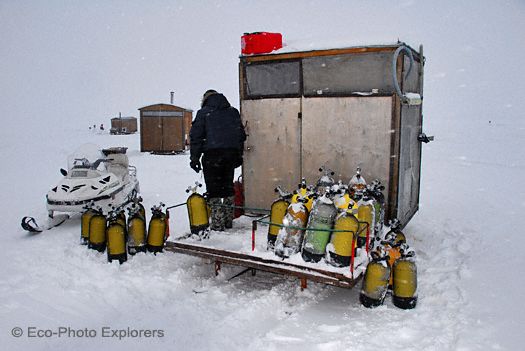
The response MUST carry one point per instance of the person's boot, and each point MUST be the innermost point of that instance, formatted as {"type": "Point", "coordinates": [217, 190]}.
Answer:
{"type": "Point", "coordinates": [228, 211]}
{"type": "Point", "coordinates": [217, 216]}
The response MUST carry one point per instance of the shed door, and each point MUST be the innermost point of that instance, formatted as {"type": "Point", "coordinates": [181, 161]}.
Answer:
{"type": "Point", "coordinates": [172, 134]}
{"type": "Point", "coordinates": [151, 133]}
{"type": "Point", "coordinates": [272, 148]}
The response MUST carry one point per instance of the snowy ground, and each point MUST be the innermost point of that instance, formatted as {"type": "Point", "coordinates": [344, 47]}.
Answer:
{"type": "Point", "coordinates": [68, 66]}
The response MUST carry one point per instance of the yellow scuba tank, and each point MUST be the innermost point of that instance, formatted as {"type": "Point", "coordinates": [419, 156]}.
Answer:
{"type": "Point", "coordinates": [116, 238]}
{"type": "Point", "coordinates": [365, 215]}
{"type": "Point", "coordinates": [404, 272]}
{"type": "Point", "coordinates": [395, 230]}
{"type": "Point", "coordinates": [84, 225]}
{"type": "Point", "coordinates": [302, 194]}
{"type": "Point", "coordinates": [157, 229]}
{"type": "Point", "coordinates": [136, 230]}
{"type": "Point", "coordinates": [375, 282]}
{"type": "Point", "coordinates": [277, 213]}
{"type": "Point", "coordinates": [198, 210]}
{"type": "Point", "coordinates": [290, 237]}
{"type": "Point", "coordinates": [340, 248]}
{"type": "Point", "coordinates": [97, 231]}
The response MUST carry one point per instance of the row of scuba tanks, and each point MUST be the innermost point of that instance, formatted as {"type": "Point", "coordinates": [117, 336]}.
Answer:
{"type": "Point", "coordinates": [119, 236]}
{"type": "Point", "coordinates": [342, 224]}
{"type": "Point", "coordinates": [327, 221]}
{"type": "Point", "coordinates": [392, 269]}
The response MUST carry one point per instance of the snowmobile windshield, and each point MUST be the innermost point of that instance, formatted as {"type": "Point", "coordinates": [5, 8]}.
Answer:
{"type": "Point", "coordinates": [86, 157]}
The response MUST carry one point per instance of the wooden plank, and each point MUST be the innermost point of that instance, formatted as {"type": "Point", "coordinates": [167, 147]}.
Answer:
{"type": "Point", "coordinates": [273, 266]}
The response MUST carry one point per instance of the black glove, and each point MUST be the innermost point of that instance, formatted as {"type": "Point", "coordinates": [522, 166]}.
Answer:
{"type": "Point", "coordinates": [195, 164]}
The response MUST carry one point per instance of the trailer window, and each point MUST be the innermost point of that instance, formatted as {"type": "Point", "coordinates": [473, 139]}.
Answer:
{"type": "Point", "coordinates": [348, 74]}
{"type": "Point", "coordinates": [273, 79]}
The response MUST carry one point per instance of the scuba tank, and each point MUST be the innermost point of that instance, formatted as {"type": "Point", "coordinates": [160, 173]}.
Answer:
{"type": "Point", "coordinates": [238, 197]}
{"type": "Point", "coordinates": [136, 230]}
{"type": "Point", "coordinates": [375, 282]}
{"type": "Point", "coordinates": [157, 229]}
{"type": "Point", "coordinates": [116, 237]}
{"type": "Point", "coordinates": [357, 183]}
{"type": "Point", "coordinates": [303, 194]}
{"type": "Point", "coordinates": [97, 231]}
{"type": "Point", "coordinates": [198, 211]}
{"type": "Point", "coordinates": [319, 228]}
{"type": "Point", "coordinates": [277, 213]}
{"type": "Point", "coordinates": [325, 181]}
{"type": "Point", "coordinates": [395, 230]}
{"type": "Point", "coordinates": [84, 223]}
{"type": "Point", "coordinates": [366, 216]}
{"type": "Point", "coordinates": [404, 272]}
{"type": "Point", "coordinates": [341, 242]}
{"type": "Point", "coordinates": [290, 237]}
{"type": "Point", "coordinates": [375, 190]}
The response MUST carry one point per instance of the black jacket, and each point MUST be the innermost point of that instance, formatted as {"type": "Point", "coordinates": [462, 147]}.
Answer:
{"type": "Point", "coordinates": [217, 126]}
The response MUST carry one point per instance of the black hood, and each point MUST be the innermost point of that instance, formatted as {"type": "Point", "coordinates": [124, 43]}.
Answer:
{"type": "Point", "coordinates": [217, 102]}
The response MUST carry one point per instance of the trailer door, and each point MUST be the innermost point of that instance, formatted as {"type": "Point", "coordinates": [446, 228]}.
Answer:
{"type": "Point", "coordinates": [272, 148]}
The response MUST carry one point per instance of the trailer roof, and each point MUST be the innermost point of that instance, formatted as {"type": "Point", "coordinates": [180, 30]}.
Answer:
{"type": "Point", "coordinates": [299, 51]}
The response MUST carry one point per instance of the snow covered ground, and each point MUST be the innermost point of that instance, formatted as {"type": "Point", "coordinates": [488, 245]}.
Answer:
{"type": "Point", "coordinates": [68, 66]}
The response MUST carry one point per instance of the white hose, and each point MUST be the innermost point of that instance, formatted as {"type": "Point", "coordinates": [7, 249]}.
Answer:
{"type": "Point", "coordinates": [394, 69]}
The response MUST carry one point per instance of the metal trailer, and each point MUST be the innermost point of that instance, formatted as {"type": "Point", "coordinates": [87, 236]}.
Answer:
{"type": "Point", "coordinates": [336, 108]}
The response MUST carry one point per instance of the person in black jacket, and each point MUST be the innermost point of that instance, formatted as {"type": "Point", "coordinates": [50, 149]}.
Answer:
{"type": "Point", "coordinates": [218, 135]}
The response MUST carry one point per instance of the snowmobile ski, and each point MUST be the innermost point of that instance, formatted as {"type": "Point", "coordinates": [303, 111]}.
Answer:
{"type": "Point", "coordinates": [29, 223]}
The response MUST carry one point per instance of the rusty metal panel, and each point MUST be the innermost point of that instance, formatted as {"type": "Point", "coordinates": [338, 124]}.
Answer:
{"type": "Point", "coordinates": [344, 133]}
{"type": "Point", "coordinates": [272, 148]}
{"type": "Point", "coordinates": [409, 163]}
{"type": "Point", "coordinates": [348, 74]}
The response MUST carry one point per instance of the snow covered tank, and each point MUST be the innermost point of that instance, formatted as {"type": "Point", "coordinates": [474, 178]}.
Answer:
{"type": "Point", "coordinates": [342, 108]}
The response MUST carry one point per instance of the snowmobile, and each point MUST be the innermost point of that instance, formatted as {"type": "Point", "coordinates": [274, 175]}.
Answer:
{"type": "Point", "coordinates": [101, 177]}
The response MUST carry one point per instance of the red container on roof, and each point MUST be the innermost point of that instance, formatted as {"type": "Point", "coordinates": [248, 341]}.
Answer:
{"type": "Point", "coordinates": [260, 42]}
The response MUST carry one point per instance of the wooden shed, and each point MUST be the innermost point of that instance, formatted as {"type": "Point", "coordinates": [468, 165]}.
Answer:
{"type": "Point", "coordinates": [334, 108]}
{"type": "Point", "coordinates": [164, 128]}
{"type": "Point", "coordinates": [123, 125]}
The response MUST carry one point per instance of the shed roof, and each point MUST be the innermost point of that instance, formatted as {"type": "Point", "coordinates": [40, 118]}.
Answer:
{"type": "Point", "coordinates": [124, 118]}
{"type": "Point", "coordinates": [164, 107]}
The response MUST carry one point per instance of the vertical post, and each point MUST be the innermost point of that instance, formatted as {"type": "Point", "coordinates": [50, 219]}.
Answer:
{"type": "Point", "coordinates": [303, 283]}
{"type": "Point", "coordinates": [254, 228]}
{"type": "Point", "coordinates": [352, 255]}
